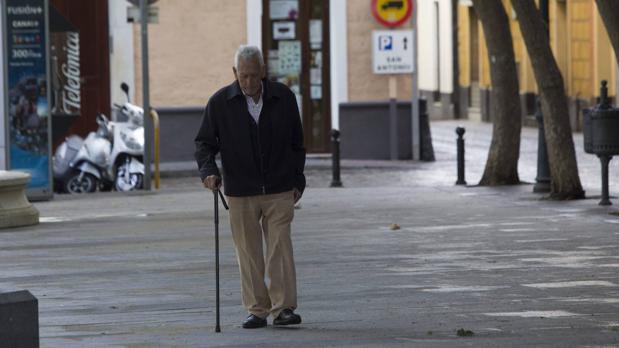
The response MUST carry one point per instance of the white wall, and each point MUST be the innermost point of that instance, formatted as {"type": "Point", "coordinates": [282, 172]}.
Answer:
{"type": "Point", "coordinates": [121, 51]}
{"type": "Point", "coordinates": [433, 54]}
{"type": "Point", "coordinates": [254, 22]}
{"type": "Point", "coordinates": [2, 97]}
{"type": "Point", "coordinates": [339, 65]}
{"type": "Point", "coordinates": [339, 58]}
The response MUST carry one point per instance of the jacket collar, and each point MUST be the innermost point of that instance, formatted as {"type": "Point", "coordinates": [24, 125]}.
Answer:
{"type": "Point", "coordinates": [270, 91]}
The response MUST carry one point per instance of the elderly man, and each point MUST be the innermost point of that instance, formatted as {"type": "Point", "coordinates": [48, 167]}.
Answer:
{"type": "Point", "coordinates": [255, 124]}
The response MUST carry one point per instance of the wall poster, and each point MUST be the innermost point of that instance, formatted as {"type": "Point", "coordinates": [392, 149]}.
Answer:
{"type": "Point", "coordinates": [284, 9]}
{"type": "Point", "coordinates": [283, 30]}
{"type": "Point", "coordinates": [289, 57]}
{"type": "Point", "coordinates": [27, 92]}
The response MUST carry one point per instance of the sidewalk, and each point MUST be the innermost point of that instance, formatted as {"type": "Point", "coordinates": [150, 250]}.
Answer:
{"type": "Point", "coordinates": [137, 270]}
{"type": "Point", "coordinates": [443, 170]}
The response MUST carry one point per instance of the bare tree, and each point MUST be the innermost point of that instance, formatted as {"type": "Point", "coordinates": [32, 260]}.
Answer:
{"type": "Point", "coordinates": [609, 11]}
{"type": "Point", "coordinates": [502, 163]}
{"type": "Point", "coordinates": [564, 179]}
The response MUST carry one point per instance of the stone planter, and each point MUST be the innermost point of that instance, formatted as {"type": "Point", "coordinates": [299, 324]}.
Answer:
{"type": "Point", "coordinates": [15, 209]}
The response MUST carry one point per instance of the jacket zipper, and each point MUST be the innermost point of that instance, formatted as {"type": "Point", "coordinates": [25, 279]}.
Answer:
{"type": "Point", "coordinates": [261, 157]}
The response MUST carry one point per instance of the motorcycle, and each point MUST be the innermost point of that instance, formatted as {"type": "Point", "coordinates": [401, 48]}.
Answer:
{"type": "Point", "coordinates": [109, 158]}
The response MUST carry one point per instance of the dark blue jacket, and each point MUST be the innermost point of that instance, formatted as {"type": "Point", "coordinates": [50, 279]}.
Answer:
{"type": "Point", "coordinates": [262, 158]}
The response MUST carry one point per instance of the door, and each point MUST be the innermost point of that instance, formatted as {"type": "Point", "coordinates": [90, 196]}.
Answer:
{"type": "Point", "coordinates": [296, 49]}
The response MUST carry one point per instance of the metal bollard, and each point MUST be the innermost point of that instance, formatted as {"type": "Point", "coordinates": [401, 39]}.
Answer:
{"type": "Point", "coordinates": [335, 156]}
{"type": "Point", "coordinates": [460, 143]}
{"type": "Point", "coordinates": [604, 160]}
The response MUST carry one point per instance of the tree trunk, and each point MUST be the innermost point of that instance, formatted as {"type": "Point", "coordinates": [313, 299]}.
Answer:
{"type": "Point", "coordinates": [564, 180]}
{"type": "Point", "coordinates": [609, 11]}
{"type": "Point", "coordinates": [502, 163]}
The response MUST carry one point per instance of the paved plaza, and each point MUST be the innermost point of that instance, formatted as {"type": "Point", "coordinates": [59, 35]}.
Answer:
{"type": "Point", "coordinates": [137, 270]}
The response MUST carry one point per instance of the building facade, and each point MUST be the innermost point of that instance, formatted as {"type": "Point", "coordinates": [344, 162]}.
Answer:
{"type": "Point", "coordinates": [192, 48]}
{"type": "Point", "coordinates": [579, 42]}
{"type": "Point", "coordinates": [327, 48]}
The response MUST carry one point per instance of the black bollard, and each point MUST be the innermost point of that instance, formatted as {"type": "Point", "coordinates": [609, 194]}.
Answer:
{"type": "Point", "coordinates": [19, 320]}
{"type": "Point", "coordinates": [605, 197]}
{"type": "Point", "coordinates": [460, 142]}
{"type": "Point", "coordinates": [542, 180]}
{"type": "Point", "coordinates": [427, 150]}
{"type": "Point", "coordinates": [335, 156]}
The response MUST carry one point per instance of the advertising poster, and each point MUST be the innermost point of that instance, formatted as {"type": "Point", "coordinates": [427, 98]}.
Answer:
{"type": "Point", "coordinates": [27, 103]}
{"type": "Point", "coordinates": [284, 9]}
{"type": "Point", "coordinates": [289, 57]}
{"type": "Point", "coordinates": [283, 30]}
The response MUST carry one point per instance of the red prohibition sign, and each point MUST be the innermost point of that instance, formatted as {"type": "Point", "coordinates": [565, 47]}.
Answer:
{"type": "Point", "coordinates": [392, 13]}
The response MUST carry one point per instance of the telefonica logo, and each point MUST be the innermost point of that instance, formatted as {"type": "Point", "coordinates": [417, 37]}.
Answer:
{"type": "Point", "coordinates": [24, 10]}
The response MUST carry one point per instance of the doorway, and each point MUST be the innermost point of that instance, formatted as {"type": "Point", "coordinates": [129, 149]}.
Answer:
{"type": "Point", "coordinates": [296, 49]}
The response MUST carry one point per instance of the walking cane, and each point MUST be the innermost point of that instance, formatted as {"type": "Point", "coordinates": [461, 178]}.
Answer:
{"type": "Point", "coordinates": [217, 193]}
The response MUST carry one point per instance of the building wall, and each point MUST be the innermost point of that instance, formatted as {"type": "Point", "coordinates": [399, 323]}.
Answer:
{"type": "Point", "coordinates": [191, 50]}
{"type": "Point", "coordinates": [121, 51]}
{"type": "Point", "coordinates": [2, 97]}
{"type": "Point", "coordinates": [435, 45]}
{"type": "Point", "coordinates": [363, 84]}
{"type": "Point", "coordinates": [338, 39]}
{"type": "Point", "coordinates": [580, 21]}
{"type": "Point", "coordinates": [464, 50]}
{"type": "Point", "coordinates": [579, 42]}
{"type": "Point", "coordinates": [603, 55]}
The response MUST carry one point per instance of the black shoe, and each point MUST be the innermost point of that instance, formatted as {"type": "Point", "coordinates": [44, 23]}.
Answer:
{"type": "Point", "coordinates": [287, 317]}
{"type": "Point", "coordinates": [254, 322]}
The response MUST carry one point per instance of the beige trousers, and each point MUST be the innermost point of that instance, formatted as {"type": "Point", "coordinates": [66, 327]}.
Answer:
{"type": "Point", "coordinates": [270, 216]}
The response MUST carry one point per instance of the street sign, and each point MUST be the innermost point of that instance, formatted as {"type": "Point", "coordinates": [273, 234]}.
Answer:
{"type": "Point", "coordinates": [392, 13]}
{"type": "Point", "coordinates": [392, 51]}
{"type": "Point", "coordinates": [133, 14]}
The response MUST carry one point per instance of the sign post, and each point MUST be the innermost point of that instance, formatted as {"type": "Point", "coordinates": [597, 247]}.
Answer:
{"type": "Point", "coordinates": [416, 124]}
{"type": "Point", "coordinates": [394, 53]}
{"type": "Point", "coordinates": [27, 92]}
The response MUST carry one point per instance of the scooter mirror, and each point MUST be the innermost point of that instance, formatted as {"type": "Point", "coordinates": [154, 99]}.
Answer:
{"type": "Point", "coordinates": [125, 89]}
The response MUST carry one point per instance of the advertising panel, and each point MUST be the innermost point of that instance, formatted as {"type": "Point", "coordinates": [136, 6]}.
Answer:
{"type": "Point", "coordinates": [27, 92]}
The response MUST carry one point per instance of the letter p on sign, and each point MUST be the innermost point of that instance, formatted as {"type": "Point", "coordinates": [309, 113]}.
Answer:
{"type": "Point", "coordinates": [385, 43]}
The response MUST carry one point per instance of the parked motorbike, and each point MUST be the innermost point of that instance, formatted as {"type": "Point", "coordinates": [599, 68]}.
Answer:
{"type": "Point", "coordinates": [109, 158]}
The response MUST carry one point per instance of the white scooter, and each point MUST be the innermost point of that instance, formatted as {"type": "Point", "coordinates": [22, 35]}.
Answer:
{"type": "Point", "coordinates": [110, 157]}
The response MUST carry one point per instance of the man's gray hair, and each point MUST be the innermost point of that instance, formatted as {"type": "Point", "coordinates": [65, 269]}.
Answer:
{"type": "Point", "coordinates": [246, 52]}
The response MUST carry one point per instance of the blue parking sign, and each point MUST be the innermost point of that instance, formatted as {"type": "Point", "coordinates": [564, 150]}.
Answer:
{"type": "Point", "coordinates": [385, 42]}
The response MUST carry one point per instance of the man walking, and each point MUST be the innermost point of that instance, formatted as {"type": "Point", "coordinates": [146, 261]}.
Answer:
{"type": "Point", "coordinates": [255, 125]}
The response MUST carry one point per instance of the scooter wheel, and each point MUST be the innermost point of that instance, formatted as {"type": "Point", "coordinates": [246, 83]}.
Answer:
{"type": "Point", "coordinates": [87, 183]}
{"type": "Point", "coordinates": [135, 183]}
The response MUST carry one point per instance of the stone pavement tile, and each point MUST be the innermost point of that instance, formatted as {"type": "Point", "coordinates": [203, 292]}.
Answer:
{"type": "Point", "coordinates": [138, 270]}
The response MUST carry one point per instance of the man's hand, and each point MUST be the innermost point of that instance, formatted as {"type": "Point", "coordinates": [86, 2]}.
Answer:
{"type": "Point", "coordinates": [212, 182]}
{"type": "Point", "coordinates": [297, 195]}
